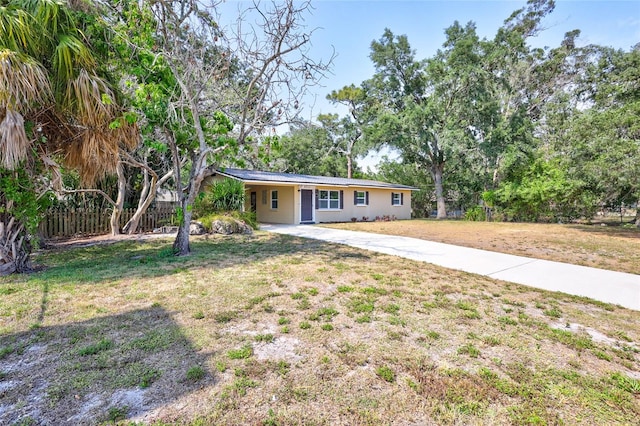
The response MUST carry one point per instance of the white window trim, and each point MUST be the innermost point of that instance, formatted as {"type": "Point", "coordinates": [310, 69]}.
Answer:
{"type": "Point", "coordinates": [274, 191]}
{"type": "Point", "coordinates": [364, 199]}
{"type": "Point", "coordinates": [328, 200]}
{"type": "Point", "coordinates": [399, 199]}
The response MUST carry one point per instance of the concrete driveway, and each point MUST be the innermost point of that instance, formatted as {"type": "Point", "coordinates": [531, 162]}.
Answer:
{"type": "Point", "coordinates": [606, 286]}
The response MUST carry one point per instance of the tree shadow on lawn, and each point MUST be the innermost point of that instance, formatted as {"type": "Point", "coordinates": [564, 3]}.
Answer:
{"type": "Point", "coordinates": [154, 258]}
{"type": "Point", "coordinates": [108, 368]}
{"type": "Point", "coordinates": [609, 230]}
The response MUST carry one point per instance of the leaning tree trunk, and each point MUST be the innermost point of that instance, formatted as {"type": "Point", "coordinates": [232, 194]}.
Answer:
{"type": "Point", "coordinates": [119, 204]}
{"type": "Point", "coordinates": [146, 198]}
{"type": "Point", "coordinates": [14, 248]}
{"type": "Point", "coordinates": [181, 245]}
{"type": "Point", "coordinates": [637, 220]}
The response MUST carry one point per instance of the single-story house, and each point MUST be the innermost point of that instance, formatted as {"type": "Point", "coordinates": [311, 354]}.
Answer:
{"type": "Point", "coordinates": [295, 199]}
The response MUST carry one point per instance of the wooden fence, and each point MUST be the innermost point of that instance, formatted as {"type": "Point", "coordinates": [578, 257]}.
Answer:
{"type": "Point", "coordinates": [64, 222]}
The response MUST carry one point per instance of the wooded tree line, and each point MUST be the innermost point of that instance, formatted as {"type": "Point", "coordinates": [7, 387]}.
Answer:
{"type": "Point", "coordinates": [528, 133]}
{"type": "Point", "coordinates": [106, 102]}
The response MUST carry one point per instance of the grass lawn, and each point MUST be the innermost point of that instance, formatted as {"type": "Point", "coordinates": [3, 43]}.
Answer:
{"type": "Point", "coordinates": [607, 247]}
{"type": "Point", "coordinates": [275, 330]}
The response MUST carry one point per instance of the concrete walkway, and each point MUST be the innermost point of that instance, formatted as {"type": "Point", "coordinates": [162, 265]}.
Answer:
{"type": "Point", "coordinates": [607, 286]}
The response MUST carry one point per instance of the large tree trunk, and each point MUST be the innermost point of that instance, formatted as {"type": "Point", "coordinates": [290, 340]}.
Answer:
{"type": "Point", "coordinates": [637, 220]}
{"type": "Point", "coordinates": [14, 248]}
{"type": "Point", "coordinates": [181, 246]}
{"type": "Point", "coordinates": [197, 174]}
{"type": "Point", "coordinates": [119, 204]}
{"type": "Point", "coordinates": [349, 166]}
{"type": "Point", "coordinates": [187, 197]}
{"type": "Point", "coordinates": [436, 173]}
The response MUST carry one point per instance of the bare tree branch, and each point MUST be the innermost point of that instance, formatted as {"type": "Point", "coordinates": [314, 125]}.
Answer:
{"type": "Point", "coordinates": [90, 191]}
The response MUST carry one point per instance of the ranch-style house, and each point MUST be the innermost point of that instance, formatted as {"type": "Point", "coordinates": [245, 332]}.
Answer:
{"type": "Point", "coordinates": [296, 199]}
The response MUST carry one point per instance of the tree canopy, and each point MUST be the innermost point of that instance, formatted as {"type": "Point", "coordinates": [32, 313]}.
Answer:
{"type": "Point", "coordinates": [527, 133]}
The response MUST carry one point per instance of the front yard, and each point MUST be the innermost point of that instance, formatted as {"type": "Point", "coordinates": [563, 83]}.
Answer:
{"type": "Point", "coordinates": [276, 330]}
{"type": "Point", "coordinates": [608, 247]}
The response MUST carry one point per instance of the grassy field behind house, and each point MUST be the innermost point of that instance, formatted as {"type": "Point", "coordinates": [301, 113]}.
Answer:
{"type": "Point", "coordinates": [607, 247]}
{"type": "Point", "coordinates": [277, 330]}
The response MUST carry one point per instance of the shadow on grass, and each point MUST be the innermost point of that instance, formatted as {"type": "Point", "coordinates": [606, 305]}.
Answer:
{"type": "Point", "coordinates": [154, 258]}
{"type": "Point", "coordinates": [610, 231]}
{"type": "Point", "coordinates": [103, 369]}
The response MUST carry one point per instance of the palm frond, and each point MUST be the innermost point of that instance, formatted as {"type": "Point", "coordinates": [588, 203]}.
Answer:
{"type": "Point", "coordinates": [56, 127]}
{"type": "Point", "coordinates": [23, 81]}
{"type": "Point", "coordinates": [89, 98]}
{"type": "Point", "coordinates": [14, 144]}
{"type": "Point", "coordinates": [94, 155]}
{"type": "Point", "coordinates": [52, 14]}
{"type": "Point", "coordinates": [17, 29]}
{"type": "Point", "coordinates": [100, 131]}
{"type": "Point", "coordinates": [70, 54]}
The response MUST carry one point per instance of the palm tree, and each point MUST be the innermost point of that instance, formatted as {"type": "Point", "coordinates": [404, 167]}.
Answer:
{"type": "Point", "coordinates": [54, 108]}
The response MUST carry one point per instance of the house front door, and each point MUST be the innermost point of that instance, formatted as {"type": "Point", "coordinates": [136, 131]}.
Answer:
{"type": "Point", "coordinates": [306, 205]}
{"type": "Point", "coordinates": [254, 201]}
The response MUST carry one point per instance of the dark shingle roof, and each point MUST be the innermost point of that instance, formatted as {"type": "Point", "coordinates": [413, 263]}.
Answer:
{"type": "Point", "coordinates": [258, 176]}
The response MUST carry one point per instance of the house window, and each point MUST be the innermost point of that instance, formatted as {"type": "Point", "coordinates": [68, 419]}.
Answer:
{"type": "Point", "coordinates": [361, 198]}
{"type": "Point", "coordinates": [396, 198]}
{"type": "Point", "coordinates": [274, 200]}
{"type": "Point", "coordinates": [329, 200]}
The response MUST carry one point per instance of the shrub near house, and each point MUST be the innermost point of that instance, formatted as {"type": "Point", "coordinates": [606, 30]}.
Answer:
{"type": "Point", "coordinates": [219, 209]}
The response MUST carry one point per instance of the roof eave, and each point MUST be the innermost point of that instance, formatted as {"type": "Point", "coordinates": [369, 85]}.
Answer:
{"type": "Point", "coordinates": [284, 183]}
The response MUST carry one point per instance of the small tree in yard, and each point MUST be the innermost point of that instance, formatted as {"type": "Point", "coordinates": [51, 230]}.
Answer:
{"type": "Point", "coordinates": [194, 79]}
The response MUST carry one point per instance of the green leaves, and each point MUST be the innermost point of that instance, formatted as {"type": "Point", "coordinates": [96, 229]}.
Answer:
{"type": "Point", "coordinates": [308, 149]}
{"type": "Point", "coordinates": [544, 192]}
{"type": "Point", "coordinates": [19, 199]}
{"type": "Point", "coordinates": [549, 133]}
{"type": "Point", "coordinates": [220, 124]}
{"type": "Point", "coordinates": [223, 195]}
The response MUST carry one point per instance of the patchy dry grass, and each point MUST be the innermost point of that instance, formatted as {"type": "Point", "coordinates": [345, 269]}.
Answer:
{"type": "Point", "coordinates": [271, 329]}
{"type": "Point", "coordinates": [606, 247]}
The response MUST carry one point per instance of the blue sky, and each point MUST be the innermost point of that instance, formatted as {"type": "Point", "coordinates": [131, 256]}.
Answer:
{"type": "Point", "coordinates": [349, 27]}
